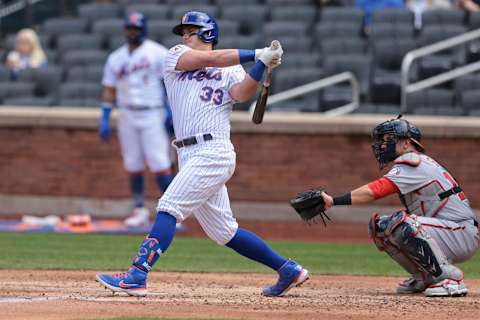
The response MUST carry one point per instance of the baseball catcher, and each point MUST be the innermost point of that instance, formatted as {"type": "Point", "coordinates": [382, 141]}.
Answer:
{"type": "Point", "coordinates": [436, 228]}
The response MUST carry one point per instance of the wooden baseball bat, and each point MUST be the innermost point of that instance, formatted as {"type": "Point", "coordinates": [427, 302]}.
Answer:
{"type": "Point", "coordinates": [261, 104]}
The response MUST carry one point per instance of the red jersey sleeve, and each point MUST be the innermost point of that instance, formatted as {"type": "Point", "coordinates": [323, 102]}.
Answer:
{"type": "Point", "coordinates": [383, 187]}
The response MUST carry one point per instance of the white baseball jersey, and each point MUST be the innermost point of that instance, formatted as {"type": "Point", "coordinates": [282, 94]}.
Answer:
{"type": "Point", "coordinates": [201, 104]}
{"type": "Point", "coordinates": [450, 221]}
{"type": "Point", "coordinates": [199, 99]}
{"type": "Point", "coordinates": [137, 76]}
{"type": "Point", "coordinates": [140, 96]}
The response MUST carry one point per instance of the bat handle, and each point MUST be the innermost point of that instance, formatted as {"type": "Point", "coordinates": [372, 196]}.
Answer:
{"type": "Point", "coordinates": [268, 79]}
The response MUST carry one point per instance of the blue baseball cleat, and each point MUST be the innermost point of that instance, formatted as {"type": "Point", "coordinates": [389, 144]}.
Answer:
{"type": "Point", "coordinates": [291, 274]}
{"type": "Point", "coordinates": [133, 282]}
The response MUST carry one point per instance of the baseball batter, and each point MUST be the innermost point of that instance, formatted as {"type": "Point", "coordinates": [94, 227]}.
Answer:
{"type": "Point", "coordinates": [202, 85]}
{"type": "Point", "coordinates": [133, 79]}
{"type": "Point", "coordinates": [437, 227]}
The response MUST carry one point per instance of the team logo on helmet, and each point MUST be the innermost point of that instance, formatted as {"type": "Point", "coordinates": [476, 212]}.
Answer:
{"type": "Point", "coordinates": [207, 26]}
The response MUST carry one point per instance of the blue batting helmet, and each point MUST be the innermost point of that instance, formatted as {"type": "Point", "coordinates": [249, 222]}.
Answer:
{"type": "Point", "coordinates": [139, 21]}
{"type": "Point", "coordinates": [208, 31]}
{"type": "Point", "coordinates": [395, 129]}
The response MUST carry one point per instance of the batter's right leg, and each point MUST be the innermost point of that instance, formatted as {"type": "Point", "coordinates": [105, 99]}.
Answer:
{"type": "Point", "coordinates": [403, 238]}
{"type": "Point", "coordinates": [216, 218]}
{"type": "Point", "coordinates": [134, 281]}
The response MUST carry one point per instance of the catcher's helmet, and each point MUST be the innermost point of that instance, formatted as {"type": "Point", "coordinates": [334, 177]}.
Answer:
{"type": "Point", "coordinates": [208, 31]}
{"type": "Point", "coordinates": [395, 129]}
{"type": "Point", "coordinates": [139, 21]}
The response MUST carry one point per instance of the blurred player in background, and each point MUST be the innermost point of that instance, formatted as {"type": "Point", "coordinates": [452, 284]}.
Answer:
{"type": "Point", "coordinates": [437, 227]}
{"type": "Point", "coordinates": [133, 81]}
{"type": "Point", "coordinates": [202, 86]}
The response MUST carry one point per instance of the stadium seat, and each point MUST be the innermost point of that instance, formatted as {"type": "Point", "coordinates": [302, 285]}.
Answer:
{"type": "Point", "coordinates": [94, 74]}
{"type": "Point", "coordinates": [471, 102]}
{"type": "Point", "coordinates": [278, 29]}
{"type": "Point", "coordinates": [359, 65]}
{"type": "Point", "coordinates": [432, 101]}
{"type": "Point", "coordinates": [16, 89]}
{"type": "Point", "coordinates": [171, 41]}
{"type": "Point", "coordinates": [117, 41]}
{"type": "Point", "coordinates": [473, 20]}
{"type": "Point", "coordinates": [240, 41]}
{"type": "Point", "coordinates": [349, 15]}
{"type": "Point", "coordinates": [93, 93]}
{"type": "Point", "coordinates": [334, 30]}
{"type": "Point", "coordinates": [188, 2]}
{"type": "Point", "coordinates": [29, 101]}
{"type": "Point", "coordinates": [106, 28]}
{"type": "Point", "coordinates": [387, 59]}
{"type": "Point", "coordinates": [223, 3]}
{"type": "Point", "coordinates": [159, 29]}
{"type": "Point", "coordinates": [179, 10]}
{"type": "Point", "coordinates": [284, 79]}
{"type": "Point", "coordinates": [385, 31]}
{"type": "Point", "coordinates": [228, 28]}
{"type": "Point", "coordinates": [388, 109]}
{"type": "Point", "coordinates": [292, 44]}
{"type": "Point", "coordinates": [126, 3]}
{"type": "Point", "coordinates": [333, 46]}
{"type": "Point", "coordinates": [46, 81]}
{"type": "Point", "coordinates": [72, 94]}
{"type": "Point", "coordinates": [446, 59]}
{"type": "Point", "coordinates": [84, 57]}
{"type": "Point", "coordinates": [65, 25]}
{"type": "Point", "coordinates": [442, 17]}
{"type": "Point", "coordinates": [4, 74]}
{"type": "Point", "coordinates": [393, 16]}
{"type": "Point", "coordinates": [98, 11]}
{"type": "Point", "coordinates": [78, 41]}
{"type": "Point", "coordinates": [151, 11]}
{"type": "Point", "coordinates": [304, 13]}
{"type": "Point", "coordinates": [465, 83]}
{"type": "Point", "coordinates": [300, 59]}
{"type": "Point", "coordinates": [251, 17]}
{"type": "Point", "coordinates": [276, 3]}
{"type": "Point", "coordinates": [76, 74]}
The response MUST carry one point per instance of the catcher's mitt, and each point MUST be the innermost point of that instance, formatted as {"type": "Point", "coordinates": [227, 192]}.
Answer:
{"type": "Point", "coordinates": [309, 204]}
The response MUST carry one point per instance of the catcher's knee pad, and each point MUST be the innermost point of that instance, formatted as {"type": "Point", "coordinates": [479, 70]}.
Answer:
{"type": "Point", "coordinates": [404, 239]}
{"type": "Point", "coordinates": [381, 227]}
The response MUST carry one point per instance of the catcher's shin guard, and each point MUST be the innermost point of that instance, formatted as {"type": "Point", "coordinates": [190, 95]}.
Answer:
{"type": "Point", "coordinates": [404, 239]}
{"type": "Point", "coordinates": [147, 254]}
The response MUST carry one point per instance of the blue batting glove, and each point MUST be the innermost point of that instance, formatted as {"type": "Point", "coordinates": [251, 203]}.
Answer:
{"type": "Point", "coordinates": [104, 124]}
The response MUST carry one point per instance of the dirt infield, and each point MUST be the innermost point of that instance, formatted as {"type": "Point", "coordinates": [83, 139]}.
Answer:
{"type": "Point", "coordinates": [74, 295]}
{"type": "Point", "coordinates": [57, 294]}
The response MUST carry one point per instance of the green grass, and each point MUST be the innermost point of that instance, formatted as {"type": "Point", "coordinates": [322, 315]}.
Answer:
{"type": "Point", "coordinates": [114, 252]}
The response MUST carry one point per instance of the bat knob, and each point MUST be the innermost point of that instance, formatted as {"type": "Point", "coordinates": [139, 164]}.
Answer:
{"type": "Point", "coordinates": [275, 44]}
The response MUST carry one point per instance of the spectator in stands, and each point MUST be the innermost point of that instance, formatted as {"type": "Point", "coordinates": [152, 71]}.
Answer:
{"type": "Point", "coordinates": [419, 6]}
{"type": "Point", "coordinates": [469, 5]}
{"type": "Point", "coordinates": [28, 52]}
{"type": "Point", "coordinates": [370, 6]}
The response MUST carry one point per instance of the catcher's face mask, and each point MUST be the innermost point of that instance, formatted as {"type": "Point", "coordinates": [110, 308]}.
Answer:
{"type": "Point", "coordinates": [388, 133]}
{"type": "Point", "coordinates": [384, 148]}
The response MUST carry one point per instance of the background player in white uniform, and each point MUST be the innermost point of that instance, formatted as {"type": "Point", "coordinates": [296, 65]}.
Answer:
{"type": "Point", "coordinates": [133, 78]}
{"type": "Point", "coordinates": [437, 228]}
{"type": "Point", "coordinates": [202, 85]}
